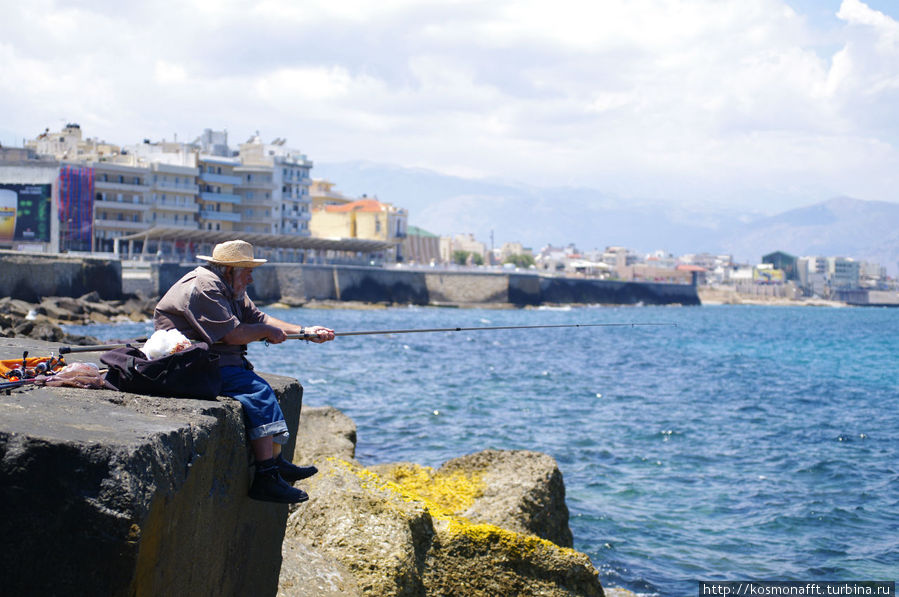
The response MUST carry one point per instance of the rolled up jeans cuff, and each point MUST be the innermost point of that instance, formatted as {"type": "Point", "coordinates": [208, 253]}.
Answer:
{"type": "Point", "coordinates": [277, 429]}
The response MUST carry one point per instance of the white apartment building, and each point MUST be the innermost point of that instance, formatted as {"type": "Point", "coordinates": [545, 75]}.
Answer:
{"type": "Point", "coordinates": [218, 202]}
{"type": "Point", "coordinates": [173, 196]}
{"type": "Point", "coordinates": [289, 202]}
{"type": "Point", "coordinates": [843, 272]}
{"type": "Point", "coordinates": [121, 203]}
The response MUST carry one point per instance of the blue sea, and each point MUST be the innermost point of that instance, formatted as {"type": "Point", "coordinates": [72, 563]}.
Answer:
{"type": "Point", "coordinates": [743, 443]}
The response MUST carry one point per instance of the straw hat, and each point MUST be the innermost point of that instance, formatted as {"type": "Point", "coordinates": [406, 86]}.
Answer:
{"type": "Point", "coordinates": [234, 253]}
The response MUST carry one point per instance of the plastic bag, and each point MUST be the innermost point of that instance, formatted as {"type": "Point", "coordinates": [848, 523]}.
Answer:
{"type": "Point", "coordinates": [164, 342]}
{"type": "Point", "coordinates": [76, 375]}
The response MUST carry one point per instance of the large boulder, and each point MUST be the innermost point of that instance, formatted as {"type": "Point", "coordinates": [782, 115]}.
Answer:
{"type": "Point", "coordinates": [325, 433]}
{"type": "Point", "coordinates": [523, 492]}
{"type": "Point", "coordinates": [355, 518]}
{"type": "Point", "coordinates": [398, 528]}
{"type": "Point", "coordinates": [108, 493]}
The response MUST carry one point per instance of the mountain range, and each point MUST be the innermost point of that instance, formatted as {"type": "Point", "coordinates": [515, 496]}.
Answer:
{"type": "Point", "coordinates": [591, 219]}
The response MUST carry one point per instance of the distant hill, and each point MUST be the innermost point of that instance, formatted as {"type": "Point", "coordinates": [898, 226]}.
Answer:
{"type": "Point", "coordinates": [865, 230]}
{"type": "Point", "coordinates": [592, 219]}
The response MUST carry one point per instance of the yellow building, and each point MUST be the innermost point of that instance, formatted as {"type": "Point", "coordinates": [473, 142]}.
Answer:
{"type": "Point", "coordinates": [366, 219]}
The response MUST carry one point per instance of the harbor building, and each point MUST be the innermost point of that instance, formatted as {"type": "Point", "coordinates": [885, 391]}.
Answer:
{"type": "Point", "coordinates": [121, 203]}
{"type": "Point", "coordinates": [217, 198]}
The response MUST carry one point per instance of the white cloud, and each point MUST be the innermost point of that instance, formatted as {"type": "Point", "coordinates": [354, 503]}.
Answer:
{"type": "Point", "coordinates": [668, 97]}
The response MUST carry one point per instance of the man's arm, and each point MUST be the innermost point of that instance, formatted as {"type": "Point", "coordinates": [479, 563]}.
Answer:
{"type": "Point", "coordinates": [251, 332]}
{"type": "Point", "coordinates": [275, 331]}
{"type": "Point", "coordinates": [315, 333]}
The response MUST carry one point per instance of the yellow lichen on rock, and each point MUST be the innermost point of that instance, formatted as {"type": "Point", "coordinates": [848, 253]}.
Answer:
{"type": "Point", "coordinates": [444, 493]}
{"type": "Point", "coordinates": [516, 544]}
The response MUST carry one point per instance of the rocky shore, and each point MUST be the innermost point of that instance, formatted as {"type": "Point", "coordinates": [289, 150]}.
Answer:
{"type": "Point", "coordinates": [490, 523]}
{"type": "Point", "coordinates": [42, 320]}
{"type": "Point", "coordinates": [148, 496]}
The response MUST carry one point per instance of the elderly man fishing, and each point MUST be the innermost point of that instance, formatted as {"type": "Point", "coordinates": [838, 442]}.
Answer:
{"type": "Point", "coordinates": [210, 304]}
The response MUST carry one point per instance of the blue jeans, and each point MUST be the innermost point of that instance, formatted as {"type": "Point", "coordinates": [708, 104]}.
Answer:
{"type": "Point", "coordinates": [262, 413]}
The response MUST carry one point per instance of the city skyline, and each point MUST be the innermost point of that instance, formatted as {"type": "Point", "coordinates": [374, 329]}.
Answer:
{"type": "Point", "coordinates": [773, 104]}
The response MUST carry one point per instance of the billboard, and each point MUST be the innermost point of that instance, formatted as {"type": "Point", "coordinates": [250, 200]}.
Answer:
{"type": "Point", "coordinates": [768, 276]}
{"type": "Point", "coordinates": [25, 212]}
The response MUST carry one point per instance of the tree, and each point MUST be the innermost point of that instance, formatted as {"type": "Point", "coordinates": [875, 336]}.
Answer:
{"type": "Point", "coordinates": [523, 261]}
{"type": "Point", "coordinates": [467, 258]}
{"type": "Point", "coordinates": [460, 257]}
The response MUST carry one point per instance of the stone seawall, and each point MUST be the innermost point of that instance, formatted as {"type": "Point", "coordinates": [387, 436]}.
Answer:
{"type": "Point", "coordinates": [30, 277]}
{"type": "Point", "coordinates": [299, 283]}
{"type": "Point", "coordinates": [109, 493]}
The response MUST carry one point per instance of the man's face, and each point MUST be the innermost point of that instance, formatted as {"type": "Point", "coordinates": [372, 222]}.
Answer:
{"type": "Point", "coordinates": [242, 277]}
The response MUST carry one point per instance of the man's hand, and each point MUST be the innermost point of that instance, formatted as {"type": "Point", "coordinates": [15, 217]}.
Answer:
{"type": "Point", "coordinates": [274, 335]}
{"type": "Point", "coordinates": [318, 334]}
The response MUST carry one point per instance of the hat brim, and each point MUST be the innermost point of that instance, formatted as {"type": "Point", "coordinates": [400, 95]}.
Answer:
{"type": "Point", "coordinates": [249, 263]}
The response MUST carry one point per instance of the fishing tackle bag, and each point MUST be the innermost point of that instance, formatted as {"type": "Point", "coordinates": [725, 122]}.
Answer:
{"type": "Point", "coordinates": [191, 373]}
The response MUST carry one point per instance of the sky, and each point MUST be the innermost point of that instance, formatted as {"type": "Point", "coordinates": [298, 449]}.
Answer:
{"type": "Point", "coordinates": [771, 104]}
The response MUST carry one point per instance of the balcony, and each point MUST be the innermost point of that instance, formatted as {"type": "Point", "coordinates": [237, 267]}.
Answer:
{"type": "Point", "coordinates": [220, 198]}
{"type": "Point", "coordinates": [256, 219]}
{"type": "Point", "coordinates": [162, 185]}
{"type": "Point", "coordinates": [119, 225]}
{"type": "Point", "coordinates": [109, 185]}
{"type": "Point", "coordinates": [190, 208]}
{"type": "Point", "coordinates": [265, 185]}
{"type": "Point", "coordinates": [220, 216]}
{"type": "Point", "coordinates": [303, 216]}
{"type": "Point", "coordinates": [106, 204]}
{"type": "Point", "coordinates": [173, 224]}
{"type": "Point", "coordinates": [220, 178]}
{"type": "Point", "coordinates": [257, 202]}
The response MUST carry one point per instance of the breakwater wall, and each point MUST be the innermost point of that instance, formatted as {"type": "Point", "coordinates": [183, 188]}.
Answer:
{"type": "Point", "coordinates": [301, 282]}
{"type": "Point", "coordinates": [32, 276]}
{"type": "Point", "coordinates": [110, 493]}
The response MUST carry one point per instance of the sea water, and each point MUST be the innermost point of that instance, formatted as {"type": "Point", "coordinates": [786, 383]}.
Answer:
{"type": "Point", "coordinates": [744, 443]}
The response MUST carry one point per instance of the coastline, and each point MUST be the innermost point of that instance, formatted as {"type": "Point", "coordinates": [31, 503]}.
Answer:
{"type": "Point", "coordinates": [716, 296]}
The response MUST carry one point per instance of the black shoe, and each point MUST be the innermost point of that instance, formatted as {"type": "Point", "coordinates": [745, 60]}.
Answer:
{"type": "Point", "coordinates": [291, 472]}
{"type": "Point", "coordinates": [268, 486]}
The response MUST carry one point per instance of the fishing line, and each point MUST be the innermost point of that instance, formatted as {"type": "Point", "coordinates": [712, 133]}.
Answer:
{"type": "Point", "coordinates": [105, 347]}
{"type": "Point", "coordinates": [480, 328]}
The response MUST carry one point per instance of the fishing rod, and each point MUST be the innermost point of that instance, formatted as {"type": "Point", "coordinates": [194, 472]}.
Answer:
{"type": "Point", "coordinates": [97, 347]}
{"type": "Point", "coordinates": [306, 336]}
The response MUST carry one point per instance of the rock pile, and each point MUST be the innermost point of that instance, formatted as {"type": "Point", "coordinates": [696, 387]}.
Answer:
{"type": "Point", "coordinates": [490, 523]}
{"type": "Point", "coordinates": [41, 321]}
{"type": "Point", "coordinates": [117, 494]}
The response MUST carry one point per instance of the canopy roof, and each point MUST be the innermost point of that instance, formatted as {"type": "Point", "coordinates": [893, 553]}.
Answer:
{"type": "Point", "coordinates": [258, 239]}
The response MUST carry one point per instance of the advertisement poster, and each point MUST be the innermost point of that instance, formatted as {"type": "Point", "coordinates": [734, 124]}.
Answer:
{"type": "Point", "coordinates": [25, 212]}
